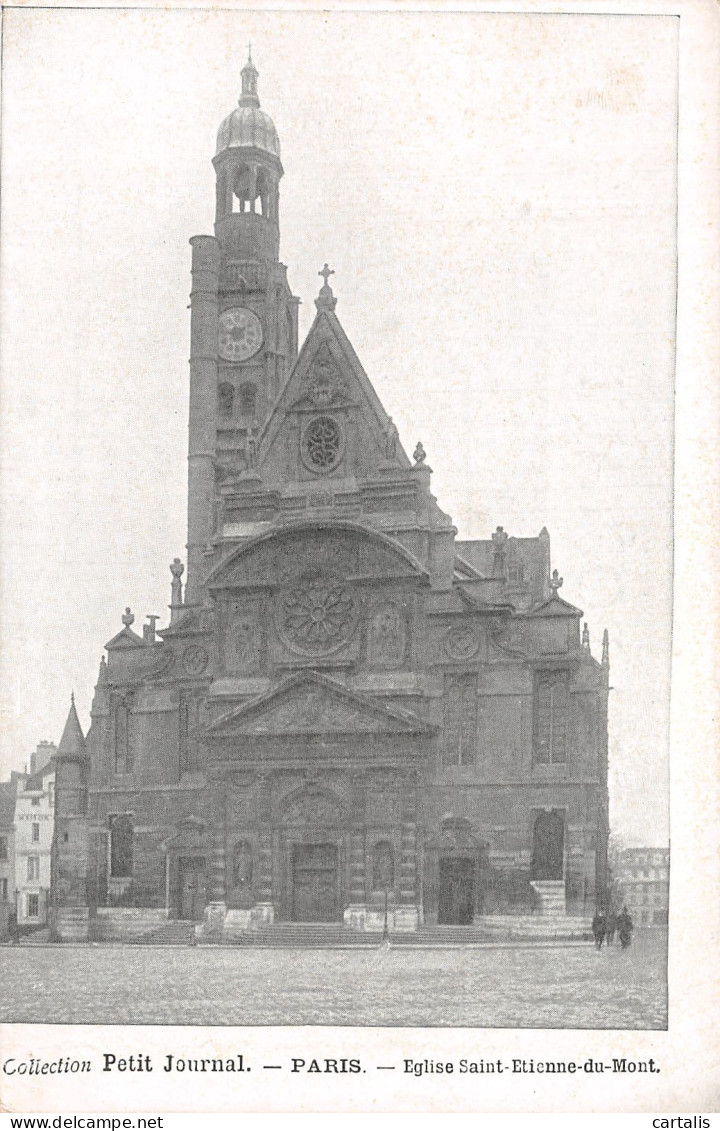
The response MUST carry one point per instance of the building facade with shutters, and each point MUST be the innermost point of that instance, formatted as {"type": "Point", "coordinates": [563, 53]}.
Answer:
{"type": "Point", "coordinates": [34, 826]}
{"type": "Point", "coordinates": [642, 877]}
{"type": "Point", "coordinates": [351, 705]}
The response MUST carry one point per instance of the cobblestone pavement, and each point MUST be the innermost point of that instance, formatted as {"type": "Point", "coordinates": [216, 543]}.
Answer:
{"type": "Point", "coordinates": [509, 987]}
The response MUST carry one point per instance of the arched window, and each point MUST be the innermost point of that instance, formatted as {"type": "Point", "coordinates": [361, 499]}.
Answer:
{"type": "Point", "coordinates": [242, 864]}
{"type": "Point", "coordinates": [226, 398]}
{"type": "Point", "coordinates": [248, 397]}
{"type": "Point", "coordinates": [121, 845]}
{"type": "Point", "coordinates": [383, 872]}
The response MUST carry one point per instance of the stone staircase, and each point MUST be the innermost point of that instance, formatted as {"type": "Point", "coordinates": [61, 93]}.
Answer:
{"type": "Point", "coordinates": [490, 929]}
{"type": "Point", "coordinates": [551, 898]}
{"type": "Point", "coordinates": [312, 935]}
{"type": "Point", "coordinates": [176, 932]}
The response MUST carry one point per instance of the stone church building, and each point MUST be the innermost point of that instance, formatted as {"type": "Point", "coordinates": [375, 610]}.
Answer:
{"type": "Point", "coordinates": [352, 713]}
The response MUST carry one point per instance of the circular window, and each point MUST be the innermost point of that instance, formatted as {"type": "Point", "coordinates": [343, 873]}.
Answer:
{"type": "Point", "coordinates": [317, 617]}
{"type": "Point", "coordinates": [322, 444]}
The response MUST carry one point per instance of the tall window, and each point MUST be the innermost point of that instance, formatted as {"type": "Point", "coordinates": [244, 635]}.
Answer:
{"type": "Point", "coordinates": [248, 394]}
{"type": "Point", "coordinates": [35, 836]}
{"type": "Point", "coordinates": [33, 867]}
{"type": "Point", "coordinates": [51, 794]}
{"type": "Point", "coordinates": [33, 906]}
{"type": "Point", "coordinates": [123, 751]}
{"type": "Point", "coordinates": [121, 845]}
{"type": "Point", "coordinates": [4, 888]}
{"type": "Point", "coordinates": [3, 848]}
{"type": "Point", "coordinates": [460, 720]}
{"type": "Point", "coordinates": [190, 707]}
{"type": "Point", "coordinates": [551, 716]}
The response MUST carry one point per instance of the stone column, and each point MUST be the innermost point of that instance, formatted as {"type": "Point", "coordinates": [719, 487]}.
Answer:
{"type": "Point", "coordinates": [406, 915]}
{"type": "Point", "coordinates": [264, 912]}
{"type": "Point", "coordinates": [216, 909]}
{"type": "Point", "coordinates": [356, 912]}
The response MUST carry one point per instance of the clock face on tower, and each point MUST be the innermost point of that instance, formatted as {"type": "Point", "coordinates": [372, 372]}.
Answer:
{"type": "Point", "coordinates": [240, 334]}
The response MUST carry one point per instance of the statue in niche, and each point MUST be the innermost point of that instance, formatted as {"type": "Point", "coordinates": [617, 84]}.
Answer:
{"type": "Point", "coordinates": [386, 637]}
{"type": "Point", "coordinates": [241, 893]}
{"type": "Point", "coordinates": [243, 643]}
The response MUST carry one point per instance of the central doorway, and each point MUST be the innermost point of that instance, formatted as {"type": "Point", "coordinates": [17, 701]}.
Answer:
{"type": "Point", "coordinates": [456, 883]}
{"type": "Point", "coordinates": [315, 876]}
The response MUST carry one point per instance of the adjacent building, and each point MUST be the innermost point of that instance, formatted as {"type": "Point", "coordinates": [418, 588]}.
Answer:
{"type": "Point", "coordinates": [7, 849]}
{"type": "Point", "coordinates": [351, 705]}
{"type": "Point", "coordinates": [33, 824]}
{"type": "Point", "coordinates": [642, 876]}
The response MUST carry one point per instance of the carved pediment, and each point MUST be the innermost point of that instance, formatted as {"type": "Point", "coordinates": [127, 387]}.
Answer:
{"type": "Point", "coordinates": [310, 704]}
{"type": "Point", "coordinates": [342, 550]}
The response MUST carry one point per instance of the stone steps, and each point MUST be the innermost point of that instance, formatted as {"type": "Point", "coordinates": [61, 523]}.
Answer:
{"type": "Point", "coordinates": [176, 932]}
{"type": "Point", "coordinates": [307, 935]}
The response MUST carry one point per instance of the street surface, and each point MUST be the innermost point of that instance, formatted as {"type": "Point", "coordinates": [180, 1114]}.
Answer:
{"type": "Point", "coordinates": [510, 987]}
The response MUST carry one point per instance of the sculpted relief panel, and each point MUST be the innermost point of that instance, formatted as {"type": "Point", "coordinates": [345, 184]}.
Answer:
{"type": "Point", "coordinates": [242, 639]}
{"type": "Point", "coordinates": [386, 635]}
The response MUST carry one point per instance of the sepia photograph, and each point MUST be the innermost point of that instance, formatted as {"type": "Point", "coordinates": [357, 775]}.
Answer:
{"type": "Point", "coordinates": [338, 418]}
{"type": "Point", "coordinates": [405, 682]}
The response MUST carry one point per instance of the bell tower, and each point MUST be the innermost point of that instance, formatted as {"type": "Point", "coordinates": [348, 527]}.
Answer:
{"type": "Point", "coordinates": [244, 318]}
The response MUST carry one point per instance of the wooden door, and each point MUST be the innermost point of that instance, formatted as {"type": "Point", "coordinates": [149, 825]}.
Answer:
{"type": "Point", "coordinates": [193, 889]}
{"type": "Point", "coordinates": [456, 890]}
{"type": "Point", "coordinates": [315, 876]}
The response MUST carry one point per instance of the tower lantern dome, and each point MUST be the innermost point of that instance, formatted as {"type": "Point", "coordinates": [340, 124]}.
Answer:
{"type": "Point", "coordinates": [248, 126]}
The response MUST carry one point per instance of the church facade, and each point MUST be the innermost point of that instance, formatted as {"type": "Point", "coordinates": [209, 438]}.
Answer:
{"type": "Point", "coordinates": [353, 715]}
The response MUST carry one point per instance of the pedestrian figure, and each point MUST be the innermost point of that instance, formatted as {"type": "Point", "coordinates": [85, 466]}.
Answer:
{"type": "Point", "coordinates": [598, 929]}
{"type": "Point", "coordinates": [624, 927]}
{"type": "Point", "coordinates": [611, 928]}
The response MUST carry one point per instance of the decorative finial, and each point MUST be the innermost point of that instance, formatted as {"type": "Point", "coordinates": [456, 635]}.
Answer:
{"type": "Point", "coordinates": [176, 569]}
{"type": "Point", "coordinates": [249, 76]}
{"type": "Point", "coordinates": [326, 299]}
{"type": "Point", "coordinates": [72, 698]}
{"type": "Point", "coordinates": [586, 636]}
{"type": "Point", "coordinates": [606, 650]}
{"type": "Point", "coordinates": [128, 618]}
{"type": "Point", "coordinates": [419, 455]}
{"type": "Point", "coordinates": [499, 538]}
{"type": "Point", "coordinates": [556, 582]}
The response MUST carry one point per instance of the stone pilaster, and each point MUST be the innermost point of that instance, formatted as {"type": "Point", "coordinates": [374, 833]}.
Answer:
{"type": "Point", "coordinates": [264, 884]}
{"type": "Point", "coordinates": [406, 914]}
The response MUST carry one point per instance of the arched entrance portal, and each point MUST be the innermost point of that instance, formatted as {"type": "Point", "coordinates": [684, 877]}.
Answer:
{"type": "Point", "coordinates": [313, 853]}
{"type": "Point", "coordinates": [548, 846]}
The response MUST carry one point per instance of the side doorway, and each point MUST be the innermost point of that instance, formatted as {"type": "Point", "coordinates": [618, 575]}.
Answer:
{"type": "Point", "coordinates": [548, 854]}
{"type": "Point", "coordinates": [456, 890]}
{"type": "Point", "coordinates": [192, 888]}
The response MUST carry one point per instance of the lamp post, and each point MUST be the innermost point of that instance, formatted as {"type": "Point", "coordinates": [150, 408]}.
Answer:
{"type": "Point", "coordinates": [386, 932]}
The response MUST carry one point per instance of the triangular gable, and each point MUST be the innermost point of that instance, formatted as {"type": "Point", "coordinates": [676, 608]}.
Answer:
{"type": "Point", "coordinates": [328, 374]}
{"type": "Point", "coordinates": [126, 638]}
{"type": "Point", "coordinates": [308, 703]}
{"type": "Point", "coordinates": [555, 607]}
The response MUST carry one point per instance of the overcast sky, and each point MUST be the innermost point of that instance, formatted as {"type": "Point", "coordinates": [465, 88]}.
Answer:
{"type": "Point", "coordinates": [496, 194]}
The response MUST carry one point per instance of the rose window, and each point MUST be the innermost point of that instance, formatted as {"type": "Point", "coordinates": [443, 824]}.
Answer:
{"type": "Point", "coordinates": [322, 443]}
{"type": "Point", "coordinates": [318, 617]}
